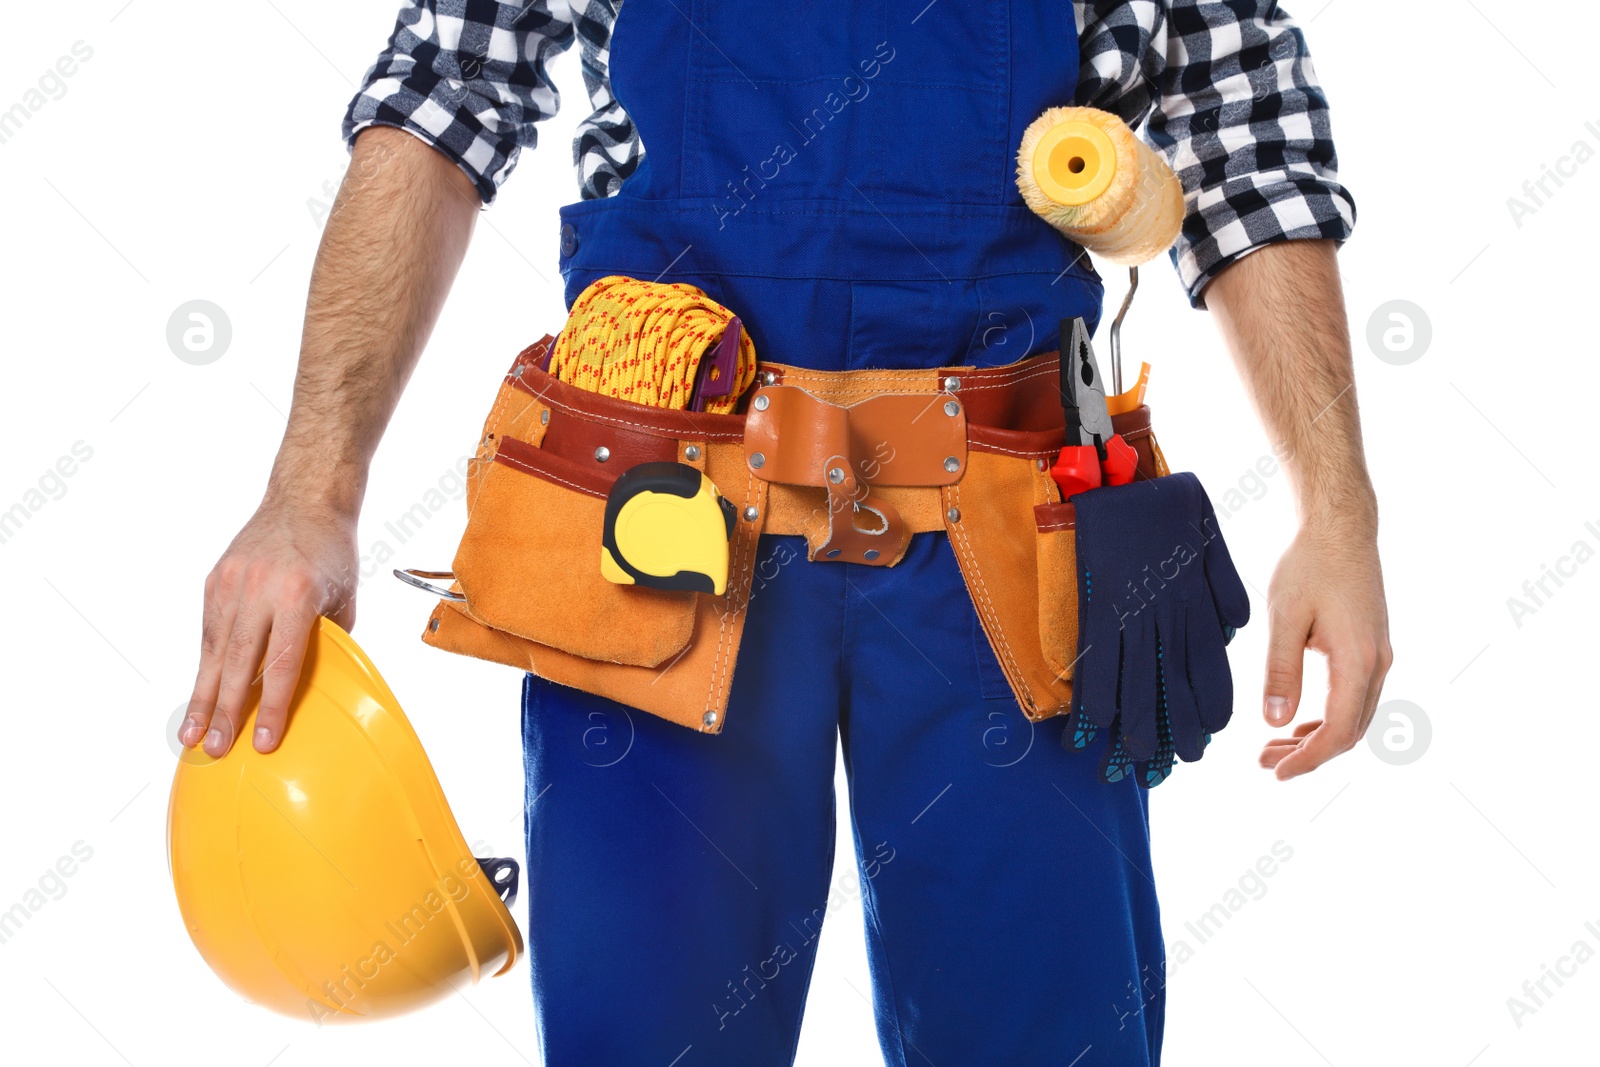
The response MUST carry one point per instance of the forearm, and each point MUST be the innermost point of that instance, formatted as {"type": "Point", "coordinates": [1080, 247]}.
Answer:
{"type": "Point", "coordinates": [1281, 313]}
{"type": "Point", "coordinates": [390, 251]}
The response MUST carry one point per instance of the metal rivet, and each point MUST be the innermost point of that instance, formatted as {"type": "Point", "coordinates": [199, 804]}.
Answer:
{"type": "Point", "coordinates": [952, 408]}
{"type": "Point", "coordinates": [761, 402]}
{"type": "Point", "coordinates": [870, 553]}
{"type": "Point", "coordinates": [692, 453]}
{"type": "Point", "coordinates": [952, 464]}
{"type": "Point", "coordinates": [832, 553]}
{"type": "Point", "coordinates": [768, 377]}
{"type": "Point", "coordinates": [433, 626]}
{"type": "Point", "coordinates": [1041, 464]}
{"type": "Point", "coordinates": [603, 453]}
{"type": "Point", "coordinates": [544, 417]}
{"type": "Point", "coordinates": [835, 475]}
{"type": "Point", "coordinates": [952, 383]}
{"type": "Point", "coordinates": [709, 718]}
{"type": "Point", "coordinates": [751, 514]}
{"type": "Point", "coordinates": [954, 514]}
{"type": "Point", "coordinates": [758, 460]}
{"type": "Point", "coordinates": [516, 372]}
{"type": "Point", "coordinates": [488, 438]}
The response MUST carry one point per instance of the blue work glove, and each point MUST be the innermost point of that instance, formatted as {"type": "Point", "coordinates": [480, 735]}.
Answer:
{"type": "Point", "coordinates": [1158, 599]}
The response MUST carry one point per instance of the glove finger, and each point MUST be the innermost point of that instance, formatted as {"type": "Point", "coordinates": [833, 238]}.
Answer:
{"type": "Point", "coordinates": [1136, 697]}
{"type": "Point", "coordinates": [1210, 678]}
{"type": "Point", "coordinates": [1094, 676]}
{"type": "Point", "coordinates": [1078, 732]}
{"type": "Point", "coordinates": [1116, 764]}
{"type": "Point", "coordinates": [1157, 768]}
{"type": "Point", "coordinates": [1227, 589]}
{"type": "Point", "coordinates": [1182, 712]}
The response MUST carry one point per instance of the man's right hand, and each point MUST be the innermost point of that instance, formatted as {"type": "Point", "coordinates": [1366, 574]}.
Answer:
{"type": "Point", "coordinates": [390, 249]}
{"type": "Point", "coordinates": [290, 564]}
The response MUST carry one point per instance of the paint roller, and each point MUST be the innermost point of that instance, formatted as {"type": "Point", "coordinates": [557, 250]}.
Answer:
{"type": "Point", "coordinates": [1084, 172]}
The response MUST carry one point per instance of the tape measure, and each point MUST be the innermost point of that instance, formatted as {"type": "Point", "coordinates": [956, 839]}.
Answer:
{"type": "Point", "coordinates": [666, 527]}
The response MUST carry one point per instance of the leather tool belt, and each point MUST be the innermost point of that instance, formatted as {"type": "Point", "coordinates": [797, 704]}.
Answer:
{"type": "Point", "coordinates": [855, 461]}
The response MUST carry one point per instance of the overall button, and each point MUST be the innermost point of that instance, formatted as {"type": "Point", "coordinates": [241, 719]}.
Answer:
{"type": "Point", "coordinates": [569, 238]}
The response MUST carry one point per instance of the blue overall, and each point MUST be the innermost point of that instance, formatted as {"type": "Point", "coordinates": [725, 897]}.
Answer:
{"type": "Point", "coordinates": [841, 174]}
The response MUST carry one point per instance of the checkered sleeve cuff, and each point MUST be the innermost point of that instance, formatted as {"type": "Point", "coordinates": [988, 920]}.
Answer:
{"type": "Point", "coordinates": [1243, 121]}
{"type": "Point", "coordinates": [468, 77]}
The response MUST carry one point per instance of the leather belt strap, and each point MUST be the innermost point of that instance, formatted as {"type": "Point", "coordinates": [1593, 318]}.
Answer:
{"type": "Point", "coordinates": [892, 426]}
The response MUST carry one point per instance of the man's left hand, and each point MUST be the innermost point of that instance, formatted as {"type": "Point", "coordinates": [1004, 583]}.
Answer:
{"type": "Point", "coordinates": [1326, 595]}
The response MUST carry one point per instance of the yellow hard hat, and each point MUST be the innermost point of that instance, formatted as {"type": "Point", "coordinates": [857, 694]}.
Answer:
{"type": "Point", "coordinates": [328, 880]}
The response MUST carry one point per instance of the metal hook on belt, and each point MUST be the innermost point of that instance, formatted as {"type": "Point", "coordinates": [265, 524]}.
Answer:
{"type": "Point", "coordinates": [411, 576]}
{"type": "Point", "coordinates": [1116, 332]}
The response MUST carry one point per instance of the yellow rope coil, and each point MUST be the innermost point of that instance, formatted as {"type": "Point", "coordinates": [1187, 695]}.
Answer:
{"type": "Point", "coordinates": [1085, 172]}
{"type": "Point", "coordinates": [643, 341]}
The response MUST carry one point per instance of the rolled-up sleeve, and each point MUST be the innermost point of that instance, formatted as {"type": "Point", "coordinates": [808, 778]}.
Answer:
{"type": "Point", "coordinates": [470, 78]}
{"type": "Point", "coordinates": [1242, 119]}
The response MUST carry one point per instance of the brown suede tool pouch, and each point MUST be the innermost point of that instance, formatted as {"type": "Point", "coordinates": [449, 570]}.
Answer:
{"type": "Point", "coordinates": [529, 562]}
{"type": "Point", "coordinates": [1024, 588]}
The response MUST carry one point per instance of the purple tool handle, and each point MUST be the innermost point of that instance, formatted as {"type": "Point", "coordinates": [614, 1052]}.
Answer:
{"type": "Point", "coordinates": [724, 357]}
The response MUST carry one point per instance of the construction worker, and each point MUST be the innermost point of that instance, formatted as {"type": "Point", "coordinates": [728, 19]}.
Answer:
{"type": "Point", "coordinates": [842, 176]}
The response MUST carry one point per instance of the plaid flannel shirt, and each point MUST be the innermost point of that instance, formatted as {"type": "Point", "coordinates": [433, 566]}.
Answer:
{"type": "Point", "coordinates": [1226, 93]}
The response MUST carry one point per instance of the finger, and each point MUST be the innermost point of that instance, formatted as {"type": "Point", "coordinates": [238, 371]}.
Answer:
{"type": "Point", "coordinates": [1229, 597]}
{"type": "Point", "coordinates": [1183, 718]}
{"type": "Point", "coordinates": [1115, 764]}
{"type": "Point", "coordinates": [1299, 731]}
{"type": "Point", "coordinates": [1286, 651]}
{"type": "Point", "coordinates": [216, 626]}
{"type": "Point", "coordinates": [1209, 675]}
{"type": "Point", "coordinates": [1341, 730]}
{"type": "Point", "coordinates": [1094, 675]}
{"type": "Point", "coordinates": [1136, 698]}
{"type": "Point", "coordinates": [239, 664]}
{"type": "Point", "coordinates": [280, 673]}
{"type": "Point", "coordinates": [1154, 771]}
{"type": "Point", "coordinates": [1273, 752]}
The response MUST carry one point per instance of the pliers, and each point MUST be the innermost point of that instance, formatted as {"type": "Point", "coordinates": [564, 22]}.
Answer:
{"type": "Point", "coordinates": [1094, 453]}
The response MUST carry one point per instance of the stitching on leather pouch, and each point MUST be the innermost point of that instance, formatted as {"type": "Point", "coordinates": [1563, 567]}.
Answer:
{"type": "Point", "coordinates": [512, 461]}
{"type": "Point", "coordinates": [1009, 379]}
{"type": "Point", "coordinates": [986, 447]}
{"type": "Point", "coordinates": [935, 386]}
{"type": "Point", "coordinates": [491, 425]}
{"type": "Point", "coordinates": [500, 403]}
{"type": "Point", "coordinates": [988, 605]}
{"type": "Point", "coordinates": [722, 634]}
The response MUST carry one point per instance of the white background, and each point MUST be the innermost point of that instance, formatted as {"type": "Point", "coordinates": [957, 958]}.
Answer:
{"type": "Point", "coordinates": [182, 162]}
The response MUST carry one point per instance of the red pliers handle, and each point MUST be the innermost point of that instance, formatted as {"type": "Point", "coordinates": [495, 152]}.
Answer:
{"type": "Point", "coordinates": [1079, 467]}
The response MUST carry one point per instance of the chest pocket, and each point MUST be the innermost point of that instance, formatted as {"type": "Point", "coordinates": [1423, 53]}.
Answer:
{"type": "Point", "coordinates": [799, 100]}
